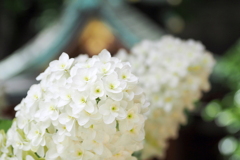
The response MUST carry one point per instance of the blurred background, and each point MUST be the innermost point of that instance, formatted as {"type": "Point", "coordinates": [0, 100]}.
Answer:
{"type": "Point", "coordinates": [32, 33]}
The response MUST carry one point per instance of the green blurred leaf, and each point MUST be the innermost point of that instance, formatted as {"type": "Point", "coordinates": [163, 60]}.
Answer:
{"type": "Point", "coordinates": [211, 110]}
{"type": "Point", "coordinates": [227, 101]}
{"type": "Point", "coordinates": [227, 68]}
{"type": "Point", "coordinates": [228, 145]}
{"type": "Point", "coordinates": [5, 124]}
{"type": "Point", "coordinates": [224, 118]}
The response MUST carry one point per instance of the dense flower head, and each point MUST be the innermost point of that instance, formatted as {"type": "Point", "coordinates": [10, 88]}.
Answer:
{"type": "Point", "coordinates": [173, 74]}
{"type": "Point", "coordinates": [83, 109]}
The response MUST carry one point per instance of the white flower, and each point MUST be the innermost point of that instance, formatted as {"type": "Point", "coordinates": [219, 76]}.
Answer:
{"type": "Point", "coordinates": [97, 90]}
{"type": "Point", "coordinates": [3, 141]}
{"type": "Point", "coordinates": [104, 56]}
{"type": "Point", "coordinates": [82, 101]}
{"type": "Point", "coordinates": [85, 117]}
{"type": "Point", "coordinates": [125, 74]}
{"type": "Point", "coordinates": [29, 157]}
{"type": "Point", "coordinates": [114, 86]}
{"type": "Point", "coordinates": [132, 117]}
{"type": "Point", "coordinates": [64, 63]}
{"type": "Point", "coordinates": [112, 110]}
{"type": "Point", "coordinates": [173, 73]}
{"type": "Point", "coordinates": [79, 111]}
{"type": "Point", "coordinates": [37, 134]}
{"type": "Point", "coordinates": [34, 94]}
{"type": "Point", "coordinates": [17, 139]}
{"type": "Point", "coordinates": [84, 77]}
{"type": "Point", "coordinates": [79, 153]}
{"type": "Point", "coordinates": [48, 111]}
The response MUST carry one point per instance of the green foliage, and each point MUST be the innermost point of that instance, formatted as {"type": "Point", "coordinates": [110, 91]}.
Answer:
{"type": "Point", "coordinates": [5, 124]}
{"type": "Point", "coordinates": [137, 155]}
{"type": "Point", "coordinates": [227, 69]}
{"type": "Point", "coordinates": [33, 154]}
{"type": "Point", "coordinates": [98, 100]}
{"type": "Point", "coordinates": [226, 111]}
{"type": "Point", "coordinates": [211, 111]}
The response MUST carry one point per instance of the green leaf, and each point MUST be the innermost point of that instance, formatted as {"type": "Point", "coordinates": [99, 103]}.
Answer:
{"type": "Point", "coordinates": [211, 111]}
{"type": "Point", "coordinates": [98, 99]}
{"type": "Point", "coordinates": [34, 155]}
{"type": "Point", "coordinates": [5, 124]}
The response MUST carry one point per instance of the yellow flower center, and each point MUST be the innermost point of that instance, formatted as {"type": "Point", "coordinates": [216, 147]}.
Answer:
{"type": "Point", "coordinates": [51, 108]}
{"type": "Point", "coordinates": [194, 68]}
{"type": "Point", "coordinates": [35, 96]}
{"type": "Point", "coordinates": [129, 116]}
{"type": "Point", "coordinates": [97, 90]}
{"type": "Point", "coordinates": [68, 96]}
{"type": "Point", "coordinates": [62, 65]}
{"type": "Point", "coordinates": [86, 78]}
{"type": "Point", "coordinates": [168, 99]}
{"type": "Point", "coordinates": [83, 100]}
{"type": "Point", "coordinates": [111, 86]}
{"type": "Point", "coordinates": [79, 153]}
{"type": "Point", "coordinates": [117, 155]}
{"type": "Point", "coordinates": [132, 130]}
{"type": "Point", "coordinates": [114, 108]}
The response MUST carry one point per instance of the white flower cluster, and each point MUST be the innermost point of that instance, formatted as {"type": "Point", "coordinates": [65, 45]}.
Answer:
{"type": "Point", "coordinates": [173, 74]}
{"type": "Point", "coordinates": [82, 109]}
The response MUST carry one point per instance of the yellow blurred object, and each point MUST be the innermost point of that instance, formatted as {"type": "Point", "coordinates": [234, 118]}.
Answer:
{"type": "Point", "coordinates": [175, 24]}
{"type": "Point", "coordinates": [95, 37]}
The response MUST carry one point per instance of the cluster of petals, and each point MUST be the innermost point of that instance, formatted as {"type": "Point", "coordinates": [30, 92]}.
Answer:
{"type": "Point", "coordinates": [82, 109]}
{"type": "Point", "coordinates": [173, 74]}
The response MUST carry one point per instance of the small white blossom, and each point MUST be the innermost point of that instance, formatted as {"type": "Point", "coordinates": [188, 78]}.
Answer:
{"type": "Point", "coordinates": [112, 110]}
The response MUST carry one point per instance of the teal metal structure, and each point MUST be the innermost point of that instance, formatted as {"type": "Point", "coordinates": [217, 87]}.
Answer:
{"type": "Point", "coordinates": [127, 23]}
